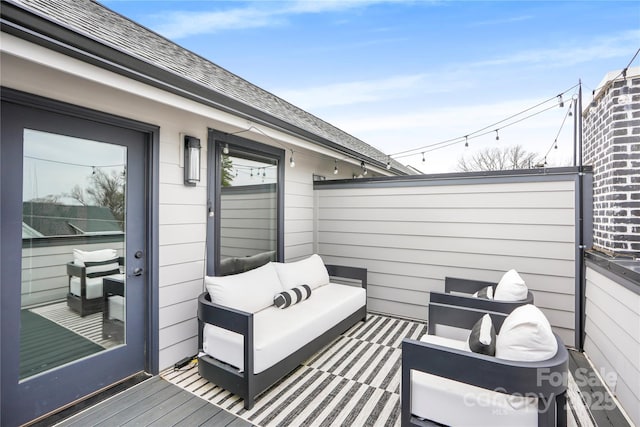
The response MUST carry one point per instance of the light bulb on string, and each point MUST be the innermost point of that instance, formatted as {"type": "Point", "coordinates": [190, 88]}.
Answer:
{"type": "Point", "coordinates": [292, 162]}
{"type": "Point", "coordinates": [423, 160]}
{"type": "Point", "coordinates": [497, 136]}
{"type": "Point", "coordinates": [555, 142]}
{"type": "Point", "coordinates": [466, 140]}
{"type": "Point", "coordinates": [335, 168]}
{"type": "Point", "coordinates": [225, 149]}
{"type": "Point", "coordinates": [388, 162]}
{"type": "Point", "coordinates": [560, 101]}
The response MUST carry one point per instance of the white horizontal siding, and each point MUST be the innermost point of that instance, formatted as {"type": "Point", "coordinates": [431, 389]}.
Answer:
{"type": "Point", "coordinates": [612, 339]}
{"type": "Point", "coordinates": [411, 237]}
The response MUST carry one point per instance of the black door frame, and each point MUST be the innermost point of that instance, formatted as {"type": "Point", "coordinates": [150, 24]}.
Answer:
{"type": "Point", "coordinates": [13, 210]}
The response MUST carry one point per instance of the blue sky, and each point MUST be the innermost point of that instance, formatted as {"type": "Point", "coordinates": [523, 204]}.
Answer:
{"type": "Point", "coordinates": [403, 75]}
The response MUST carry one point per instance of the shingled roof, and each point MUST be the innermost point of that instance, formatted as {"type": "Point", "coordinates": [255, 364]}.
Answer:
{"type": "Point", "coordinates": [114, 35]}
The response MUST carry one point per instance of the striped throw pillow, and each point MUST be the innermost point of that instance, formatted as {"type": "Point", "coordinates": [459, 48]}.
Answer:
{"type": "Point", "coordinates": [292, 296]}
{"type": "Point", "coordinates": [102, 268]}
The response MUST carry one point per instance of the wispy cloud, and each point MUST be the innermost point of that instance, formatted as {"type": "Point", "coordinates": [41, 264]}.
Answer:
{"type": "Point", "coordinates": [258, 14]}
{"type": "Point", "coordinates": [502, 21]}
{"type": "Point", "coordinates": [571, 53]}
{"type": "Point", "coordinates": [364, 91]}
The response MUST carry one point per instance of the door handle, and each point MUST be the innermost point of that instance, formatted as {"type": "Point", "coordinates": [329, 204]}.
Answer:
{"type": "Point", "coordinates": [137, 271]}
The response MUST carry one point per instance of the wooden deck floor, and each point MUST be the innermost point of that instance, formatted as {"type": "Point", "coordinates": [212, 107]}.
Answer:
{"type": "Point", "coordinates": [157, 402]}
{"type": "Point", "coordinates": [154, 402]}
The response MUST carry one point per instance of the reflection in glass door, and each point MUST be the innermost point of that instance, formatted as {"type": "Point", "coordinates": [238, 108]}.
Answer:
{"type": "Point", "coordinates": [75, 217]}
{"type": "Point", "coordinates": [73, 232]}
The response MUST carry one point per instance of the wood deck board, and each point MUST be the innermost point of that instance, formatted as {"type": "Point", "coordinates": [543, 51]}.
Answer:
{"type": "Point", "coordinates": [117, 403]}
{"type": "Point", "coordinates": [604, 411]}
{"type": "Point", "coordinates": [154, 402]}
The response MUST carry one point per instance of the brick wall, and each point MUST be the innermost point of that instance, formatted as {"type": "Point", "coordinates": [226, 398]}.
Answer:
{"type": "Point", "coordinates": [611, 144]}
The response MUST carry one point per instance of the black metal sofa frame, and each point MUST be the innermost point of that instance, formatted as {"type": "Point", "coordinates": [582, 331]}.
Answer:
{"type": "Point", "coordinates": [488, 372]}
{"type": "Point", "coordinates": [469, 286]}
{"type": "Point", "coordinates": [80, 303]}
{"type": "Point", "coordinates": [246, 384]}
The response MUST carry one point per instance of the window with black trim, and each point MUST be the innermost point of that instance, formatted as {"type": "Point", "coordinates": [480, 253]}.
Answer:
{"type": "Point", "coordinates": [245, 227]}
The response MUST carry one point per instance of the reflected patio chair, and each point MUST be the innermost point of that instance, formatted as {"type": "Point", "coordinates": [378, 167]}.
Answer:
{"type": "Point", "coordinates": [86, 273]}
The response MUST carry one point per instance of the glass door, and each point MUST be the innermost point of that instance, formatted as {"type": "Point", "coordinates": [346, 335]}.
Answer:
{"type": "Point", "coordinates": [73, 250]}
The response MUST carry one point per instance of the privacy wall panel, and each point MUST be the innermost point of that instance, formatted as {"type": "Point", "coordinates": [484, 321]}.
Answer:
{"type": "Point", "coordinates": [613, 336]}
{"type": "Point", "coordinates": [411, 235]}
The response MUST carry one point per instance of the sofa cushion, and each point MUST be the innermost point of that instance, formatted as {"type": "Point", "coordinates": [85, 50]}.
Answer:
{"type": "Point", "coordinates": [526, 335]}
{"type": "Point", "coordinates": [483, 337]}
{"type": "Point", "coordinates": [310, 271]}
{"type": "Point", "coordinates": [278, 333]}
{"type": "Point", "coordinates": [251, 291]}
{"type": "Point", "coordinates": [291, 297]}
{"type": "Point", "coordinates": [486, 293]}
{"type": "Point", "coordinates": [511, 287]}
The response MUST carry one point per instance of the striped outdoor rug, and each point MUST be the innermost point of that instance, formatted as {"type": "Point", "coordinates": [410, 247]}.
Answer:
{"type": "Point", "coordinates": [89, 326]}
{"type": "Point", "coordinates": [354, 381]}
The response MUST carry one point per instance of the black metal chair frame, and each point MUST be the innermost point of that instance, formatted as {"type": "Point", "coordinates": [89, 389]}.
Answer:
{"type": "Point", "coordinates": [488, 372]}
{"type": "Point", "coordinates": [469, 287]}
{"type": "Point", "coordinates": [246, 384]}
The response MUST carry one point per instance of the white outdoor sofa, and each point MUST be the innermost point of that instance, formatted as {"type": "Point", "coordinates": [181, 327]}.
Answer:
{"type": "Point", "coordinates": [246, 343]}
{"type": "Point", "coordinates": [445, 383]}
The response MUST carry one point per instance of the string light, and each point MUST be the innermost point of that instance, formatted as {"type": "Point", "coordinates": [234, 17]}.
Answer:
{"type": "Point", "coordinates": [483, 131]}
{"type": "Point", "coordinates": [335, 168]}
{"type": "Point", "coordinates": [466, 140]}
{"type": "Point", "coordinates": [225, 149]}
{"type": "Point", "coordinates": [292, 162]}
{"type": "Point", "coordinates": [423, 157]}
{"type": "Point", "coordinates": [497, 136]}
{"type": "Point", "coordinates": [560, 101]}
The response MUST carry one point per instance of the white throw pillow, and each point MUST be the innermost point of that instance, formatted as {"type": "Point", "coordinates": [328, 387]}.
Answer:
{"type": "Point", "coordinates": [526, 336]}
{"type": "Point", "coordinates": [511, 287]}
{"type": "Point", "coordinates": [250, 291]}
{"type": "Point", "coordinates": [80, 256]}
{"type": "Point", "coordinates": [310, 271]}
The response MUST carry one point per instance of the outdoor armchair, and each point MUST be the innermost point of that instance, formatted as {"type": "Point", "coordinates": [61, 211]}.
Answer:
{"type": "Point", "coordinates": [444, 382]}
{"type": "Point", "coordinates": [86, 273]}
{"type": "Point", "coordinates": [460, 292]}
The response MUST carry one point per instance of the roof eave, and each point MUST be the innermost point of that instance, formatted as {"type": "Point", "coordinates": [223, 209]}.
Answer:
{"type": "Point", "coordinates": [39, 30]}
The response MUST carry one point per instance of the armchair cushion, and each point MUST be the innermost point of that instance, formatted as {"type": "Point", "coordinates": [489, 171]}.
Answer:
{"type": "Point", "coordinates": [102, 268]}
{"type": "Point", "coordinates": [454, 403]}
{"type": "Point", "coordinates": [250, 291]}
{"type": "Point", "coordinates": [310, 271]}
{"type": "Point", "coordinates": [293, 296]}
{"type": "Point", "coordinates": [80, 257]}
{"type": "Point", "coordinates": [483, 337]}
{"type": "Point", "coordinates": [526, 335]}
{"type": "Point", "coordinates": [511, 287]}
